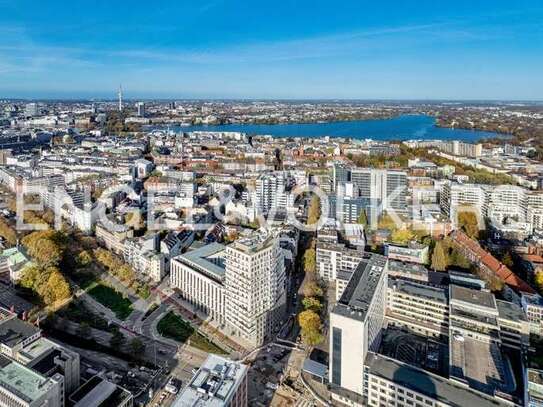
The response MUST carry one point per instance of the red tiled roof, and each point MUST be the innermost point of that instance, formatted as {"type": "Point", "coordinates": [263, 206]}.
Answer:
{"type": "Point", "coordinates": [500, 269]}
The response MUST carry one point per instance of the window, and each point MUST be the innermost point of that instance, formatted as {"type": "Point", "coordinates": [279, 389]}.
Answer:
{"type": "Point", "coordinates": [336, 356]}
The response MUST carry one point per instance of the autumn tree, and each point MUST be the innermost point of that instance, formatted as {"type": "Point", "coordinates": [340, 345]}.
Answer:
{"type": "Point", "coordinates": [440, 258]}
{"type": "Point", "coordinates": [7, 232]}
{"type": "Point", "coordinates": [539, 281]}
{"type": "Point", "coordinates": [310, 325]}
{"type": "Point", "coordinates": [310, 262]}
{"type": "Point", "coordinates": [47, 283]}
{"type": "Point", "coordinates": [314, 211]}
{"type": "Point", "coordinates": [312, 303]}
{"type": "Point", "coordinates": [402, 236]}
{"type": "Point", "coordinates": [467, 221]}
{"type": "Point", "coordinates": [362, 218]}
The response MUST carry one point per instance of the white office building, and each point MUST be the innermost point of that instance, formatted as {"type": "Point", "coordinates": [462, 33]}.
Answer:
{"type": "Point", "coordinates": [199, 276]}
{"type": "Point", "coordinates": [356, 322]}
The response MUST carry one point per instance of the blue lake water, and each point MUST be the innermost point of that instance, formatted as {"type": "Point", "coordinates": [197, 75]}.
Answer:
{"type": "Point", "coordinates": [399, 128]}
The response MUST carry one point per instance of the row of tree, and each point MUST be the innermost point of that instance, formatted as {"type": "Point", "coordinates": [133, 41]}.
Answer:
{"type": "Point", "coordinates": [119, 269]}
{"type": "Point", "coordinates": [44, 278]}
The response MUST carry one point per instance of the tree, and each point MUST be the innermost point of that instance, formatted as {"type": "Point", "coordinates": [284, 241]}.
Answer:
{"type": "Point", "coordinates": [117, 339]}
{"type": "Point", "coordinates": [137, 347]}
{"type": "Point", "coordinates": [539, 281]}
{"type": "Point", "coordinates": [7, 232]}
{"type": "Point", "coordinates": [310, 262]}
{"type": "Point", "coordinates": [314, 211]}
{"type": "Point", "coordinates": [84, 258]}
{"type": "Point", "coordinates": [57, 288]}
{"type": "Point", "coordinates": [45, 246]}
{"type": "Point", "coordinates": [310, 324]}
{"type": "Point", "coordinates": [312, 289]}
{"type": "Point", "coordinates": [467, 221]}
{"type": "Point", "coordinates": [459, 260]}
{"type": "Point", "coordinates": [507, 259]}
{"type": "Point", "coordinates": [84, 330]}
{"type": "Point", "coordinates": [402, 236]}
{"type": "Point", "coordinates": [440, 258]}
{"type": "Point", "coordinates": [362, 218]}
{"type": "Point", "coordinates": [312, 303]}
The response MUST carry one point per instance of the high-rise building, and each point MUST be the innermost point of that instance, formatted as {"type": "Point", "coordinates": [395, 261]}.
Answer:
{"type": "Point", "coordinates": [384, 186]}
{"type": "Point", "coordinates": [270, 192]}
{"type": "Point", "coordinates": [255, 281]}
{"type": "Point", "coordinates": [454, 195]}
{"type": "Point", "coordinates": [140, 106]}
{"type": "Point", "coordinates": [356, 322]}
{"type": "Point", "coordinates": [31, 109]}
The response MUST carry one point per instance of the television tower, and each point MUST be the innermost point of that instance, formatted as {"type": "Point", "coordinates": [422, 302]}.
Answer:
{"type": "Point", "coordinates": [120, 98]}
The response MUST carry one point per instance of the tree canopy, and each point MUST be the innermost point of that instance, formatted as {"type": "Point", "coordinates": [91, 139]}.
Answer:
{"type": "Point", "coordinates": [310, 324]}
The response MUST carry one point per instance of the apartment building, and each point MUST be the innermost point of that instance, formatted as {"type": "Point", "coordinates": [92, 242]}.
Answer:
{"type": "Point", "coordinates": [455, 195]}
{"type": "Point", "coordinates": [332, 258]}
{"type": "Point", "coordinates": [270, 192]}
{"type": "Point", "coordinates": [385, 186]}
{"type": "Point", "coordinates": [255, 281]}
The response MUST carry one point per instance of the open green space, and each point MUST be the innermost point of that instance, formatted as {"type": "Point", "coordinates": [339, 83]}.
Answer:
{"type": "Point", "coordinates": [112, 299]}
{"type": "Point", "coordinates": [174, 327]}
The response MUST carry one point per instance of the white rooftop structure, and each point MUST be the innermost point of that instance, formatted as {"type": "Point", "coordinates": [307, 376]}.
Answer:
{"type": "Point", "coordinates": [219, 382]}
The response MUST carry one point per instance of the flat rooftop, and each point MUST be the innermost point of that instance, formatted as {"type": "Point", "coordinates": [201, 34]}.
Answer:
{"type": "Point", "coordinates": [358, 294]}
{"type": "Point", "coordinates": [480, 364]}
{"type": "Point", "coordinates": [98, 392]}
{"type": "Point", "coordinates": [14, 331]}
{"type": "Point", "coordinates": [429, 384]}
{"type": "Point", "coordinates": [419, 290]}
{"type": "Point", "coordinates": [213, 385]}
{"type": "Point", "coordinates": [22, 381]}
{"type": "Point", "coordinates": [208, 259]}
{"type": "Point", "coordinates": [509, 310]}
{"type": "Point", "coordinates": [472, 297]}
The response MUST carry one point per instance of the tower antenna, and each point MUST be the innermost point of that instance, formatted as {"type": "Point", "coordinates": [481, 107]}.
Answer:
{"type": "Point", "coordinates": [120, 98]}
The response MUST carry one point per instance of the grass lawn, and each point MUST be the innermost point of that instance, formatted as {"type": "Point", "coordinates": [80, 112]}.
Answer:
{"type": "Point", "coordinates": [109, 297]}
{"type": "Point", "coordinates": [174, 327]}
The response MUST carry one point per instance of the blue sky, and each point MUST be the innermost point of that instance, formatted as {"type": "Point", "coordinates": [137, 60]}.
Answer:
{"type": "Point", "coordinates": [354, 49]}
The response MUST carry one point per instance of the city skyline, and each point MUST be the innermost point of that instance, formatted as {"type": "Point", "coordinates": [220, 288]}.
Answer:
{"type": "Point", "coordinates": [223, 50]}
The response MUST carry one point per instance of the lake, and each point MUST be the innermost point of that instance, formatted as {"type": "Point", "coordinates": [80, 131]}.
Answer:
{"type": "Point", "coordinates": [403, 127]}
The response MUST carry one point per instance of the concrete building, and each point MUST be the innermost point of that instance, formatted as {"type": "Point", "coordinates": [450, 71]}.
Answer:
{"type": "Point", "coordinates": [199, 275]}
{"type": "Point", "coordinates": [356, 322]}
{"type": "Point", "coordinates": [255, 281]}
{"type": "Point", "coordinates": [535, 388]}
{"type": "Point", "coordinates": [270, 192]}
{"type": "Point", "coordinates": [413, 253]}
{"type": "Point", "coordinates": [332, 258]}
{"type": "Point", "coordinates": [99, 392]}
{"type": "Point", "coordinates": [386, 186]}
{"type": "Point", "coordinates": [21, 386]}
{"type": "Point", "coordinates": [219, 382]}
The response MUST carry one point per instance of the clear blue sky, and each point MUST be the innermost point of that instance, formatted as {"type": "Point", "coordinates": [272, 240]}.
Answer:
{"type": "Point", "coordinates": [403, 49]}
